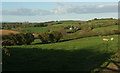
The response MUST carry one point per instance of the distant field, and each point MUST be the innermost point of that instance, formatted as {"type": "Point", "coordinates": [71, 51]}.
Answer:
{"type": "Point", "coordinates": [81, 54]}
{"type": "Point", "coordinates": [42, 29]}
{"type": "Point", "coordinates": [101, 21]}
{"type": "Point", "coordinates": [107, 28]}
{"type": "Point", "coordinates": [39, 29]}
{"type": "Point", "coordinates": [35, 29]}
{"type": "Point", "coordinates": [56, 27]}
{"type": "Point", "coordinates": [6, 32]}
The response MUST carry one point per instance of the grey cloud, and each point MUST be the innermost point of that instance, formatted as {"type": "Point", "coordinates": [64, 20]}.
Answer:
{"type": "Point", "coordinates": [86, 9]}
{"type": "Point", "coordinates": [63, 9]}
{"type": "Point", "coordinates": [26, 12]}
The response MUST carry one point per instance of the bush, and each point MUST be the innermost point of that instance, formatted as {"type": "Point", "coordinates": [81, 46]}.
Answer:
{"type": "Point", "coordinates": [29, 37]}
{"type": "Point", "coordinates": [19, 39]}
{"type": "Point", "coordinates": [7, 42]}
{"type": "Point", "coordinates": [63, 31]}
{"type": "Point", "coordinates": [11, 36]}
{"type": "Point", "coordinates": [44, 37]}
{"type": "Point", "coordinates": [24, 38]}
{"type": "Point", "coordinates": [55, 36]}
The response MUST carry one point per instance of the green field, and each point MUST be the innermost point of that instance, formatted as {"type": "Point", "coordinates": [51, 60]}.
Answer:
{"type": "Point", "coordinates": [35, 29]}
{"type": "Point", "coordinates": [107, 28]}
{"type": "Point", "coordinates": [71, 53]}
{"type": "Point", "coordinates": [39, 29]}
{"type": "Point", "coordinates": [56, 26]}
{"type": "Point", "coordinates": [83, 54]}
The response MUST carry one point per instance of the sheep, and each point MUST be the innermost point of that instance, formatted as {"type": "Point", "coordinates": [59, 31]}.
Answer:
{"type": "Point", "coordinates": [105, 39]}
{"type": "Point", "coordinates": [112, 39]}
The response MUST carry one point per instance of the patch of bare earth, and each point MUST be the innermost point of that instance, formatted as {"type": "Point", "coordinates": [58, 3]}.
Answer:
{"type": "Point", "coordinates": [6, 32]}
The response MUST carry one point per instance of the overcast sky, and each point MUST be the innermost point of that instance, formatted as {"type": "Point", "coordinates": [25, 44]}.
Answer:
{"type": "Point", "coordinates": [47, 11]}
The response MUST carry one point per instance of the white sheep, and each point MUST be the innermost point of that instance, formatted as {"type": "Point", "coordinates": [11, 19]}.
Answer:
{"type": "Point", "coordinates": [105, 39]}
{"type": "Point", "coordinates": [112, 39]}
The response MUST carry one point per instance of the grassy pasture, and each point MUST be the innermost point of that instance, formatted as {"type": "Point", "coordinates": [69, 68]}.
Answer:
{"type": "Point", "coordinates": [35, 29]}
{"type": "Point", "coordinates": [107, 28]}
{"type": "Point", "coordinates": [40, 29]}
{"type": "Point", "coordinates": [83, 54]}
{"type": "Point", "coordinates": [72, 23]}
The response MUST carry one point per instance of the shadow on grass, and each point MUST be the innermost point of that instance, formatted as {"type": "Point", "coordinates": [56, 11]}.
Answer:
{"type": "Point", "coordinates": [38, 59]}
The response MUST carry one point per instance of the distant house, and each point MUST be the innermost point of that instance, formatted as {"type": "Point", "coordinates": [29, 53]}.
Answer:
{"type": "Point", "coordinates": [70, 28]}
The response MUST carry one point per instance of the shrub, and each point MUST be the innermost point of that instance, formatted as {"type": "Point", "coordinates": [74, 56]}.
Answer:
{"type": "Point", "coordinates": [44, 37]}
{"type": "Point", "coordinates": [7, 42]}
{"type": "Point", "coordinates": [63, 31]}
{"type": "Point", "coordinates": [29, 37]}
{"type": "Point", "coordinates": [19, 39]}
{"type": "Point", "coordinates": [55, 36]}
{"type": "Point", "coordinates": [11, 36]}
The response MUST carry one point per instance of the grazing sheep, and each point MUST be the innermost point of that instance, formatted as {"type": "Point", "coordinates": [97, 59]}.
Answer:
{"type": "Point", "coordinates": [105, 39]}
{"type": "Point", "coordinates": [112, 39]}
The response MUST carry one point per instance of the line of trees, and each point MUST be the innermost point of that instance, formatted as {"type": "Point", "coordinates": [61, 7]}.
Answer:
{"type": "Point", "coordinates": [17, 39]}
{"type": "Point", "coordinates": [52, 36]}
